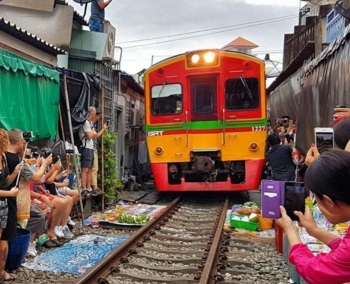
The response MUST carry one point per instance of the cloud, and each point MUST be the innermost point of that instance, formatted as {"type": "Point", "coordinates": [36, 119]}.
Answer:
{"type": "Point", "coordinates": [291, 3]}
{"type": "Point", "coordinates": [139, 19]}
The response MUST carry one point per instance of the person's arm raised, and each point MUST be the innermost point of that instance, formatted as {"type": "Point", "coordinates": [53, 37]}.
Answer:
{"type": "Point", "coordinates": [103, 4]}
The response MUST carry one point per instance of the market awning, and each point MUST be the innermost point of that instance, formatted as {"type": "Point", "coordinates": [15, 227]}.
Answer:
{"type": "Point", "coordinates": [29, 94]}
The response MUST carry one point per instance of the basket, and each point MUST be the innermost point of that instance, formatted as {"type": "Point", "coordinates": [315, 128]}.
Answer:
{"type": "Point", "coordinates": [251, 226]}
{"type": "Point", "coordinates": [17, 249]}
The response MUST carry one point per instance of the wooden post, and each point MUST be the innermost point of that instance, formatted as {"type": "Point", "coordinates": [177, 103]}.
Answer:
{"type": "Point", "coordinates": [65, 151]}
{"type": "Point", "coordinates": [102, 152]}
{"type": "Point", "coordinates": [72, 142]}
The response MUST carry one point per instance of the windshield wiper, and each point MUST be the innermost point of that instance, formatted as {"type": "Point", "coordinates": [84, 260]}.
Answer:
{"type": "Point", "coordinates": [160, 92]}
{"type": "Point", "coordinates": [244, 82]}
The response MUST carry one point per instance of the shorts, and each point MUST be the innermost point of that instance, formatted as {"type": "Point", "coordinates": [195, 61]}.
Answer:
{"type": "Point", "coordinates": [10, 232]}
{"type": "Point", "coordinates": [95, 26]}
{"type": "Point", "coordinates": [3, 213]}
{"type": "Point", "coordinates": [87, 158]}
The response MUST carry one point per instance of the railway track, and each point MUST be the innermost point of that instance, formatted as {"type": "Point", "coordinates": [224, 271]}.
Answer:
{"type": "Point", "coordinates": [186, 244]}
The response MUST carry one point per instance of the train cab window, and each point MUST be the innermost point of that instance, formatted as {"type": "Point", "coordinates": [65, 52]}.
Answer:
{"type": "Point", "coordinates": [242, 94]}
{"type": "Point", "coordinates": [204, 95]}
{"type": "Point", "coordinates": [166, 99]}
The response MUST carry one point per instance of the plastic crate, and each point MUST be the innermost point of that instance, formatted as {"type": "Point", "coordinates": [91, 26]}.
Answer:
{"type": "Point", "coordinates": [252, 226]}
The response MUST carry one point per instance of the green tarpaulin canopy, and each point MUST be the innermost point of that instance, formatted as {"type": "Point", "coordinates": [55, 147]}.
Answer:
{"type": "Point", "coordinates": [29, 96]}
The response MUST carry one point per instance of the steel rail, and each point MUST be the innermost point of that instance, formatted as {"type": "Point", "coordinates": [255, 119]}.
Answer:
{"type": "Point", "coordinates": [210, 265]}
{"type": "Point", "coordinates": [103, 269]}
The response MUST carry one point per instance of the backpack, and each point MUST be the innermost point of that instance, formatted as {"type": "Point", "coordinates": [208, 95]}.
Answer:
{"type": "Point", "coordinates": [79, 142]}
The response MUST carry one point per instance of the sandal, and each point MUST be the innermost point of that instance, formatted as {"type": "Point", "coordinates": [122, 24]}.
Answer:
{"type": "Point", "coordinates": [11, 277]}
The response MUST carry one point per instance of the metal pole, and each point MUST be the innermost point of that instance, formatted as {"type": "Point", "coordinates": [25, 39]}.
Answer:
{"type": "Point", "coordinates": [102, 151]}
{"type": "Point", "coordinates": [72, 140]}
{"type": "Point", "coordinates": [120, 57]}
{"type": "Point", "coordinates": [19, 173]}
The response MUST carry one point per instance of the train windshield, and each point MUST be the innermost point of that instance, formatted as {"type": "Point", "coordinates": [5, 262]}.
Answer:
{"type": "Point", "coordinates": [242, 94]}
{"type": "Point", "coordinates": [166, 99]}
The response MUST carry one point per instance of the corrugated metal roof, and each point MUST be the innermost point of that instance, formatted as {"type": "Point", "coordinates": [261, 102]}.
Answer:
{"type": "Point", "coordinates": [29, 38]}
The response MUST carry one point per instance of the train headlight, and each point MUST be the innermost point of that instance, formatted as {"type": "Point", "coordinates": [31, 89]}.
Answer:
{"type": "Point", "coordinates": [202, 58]}
{"type": "Point", "coordinates": [159, 150]}
{"type": "Point", "coordinates": [253, 147]}
{"type": "Point", "coordinates": [195, 58]}
{"type": "Point", "coordinates": [209, 57]}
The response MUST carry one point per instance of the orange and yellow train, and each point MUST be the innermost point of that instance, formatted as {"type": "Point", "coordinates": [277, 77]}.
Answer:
{"type": "Point", "coordinates": [206, 121]}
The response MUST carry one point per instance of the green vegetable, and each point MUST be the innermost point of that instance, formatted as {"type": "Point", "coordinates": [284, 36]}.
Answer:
{"type": "Point", "coordinates": [253, 218]}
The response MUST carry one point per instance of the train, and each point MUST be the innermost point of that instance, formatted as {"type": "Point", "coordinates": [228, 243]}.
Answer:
{"type": "Point", "coordinates": [206, 121]}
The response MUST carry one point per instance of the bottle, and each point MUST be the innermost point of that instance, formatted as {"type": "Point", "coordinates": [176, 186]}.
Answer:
{"type": "Point", "coordinates": [309, 203]}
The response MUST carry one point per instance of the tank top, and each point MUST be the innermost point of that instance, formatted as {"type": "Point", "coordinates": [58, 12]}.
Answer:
{"type": "Point", "coordinates": [4, 172]}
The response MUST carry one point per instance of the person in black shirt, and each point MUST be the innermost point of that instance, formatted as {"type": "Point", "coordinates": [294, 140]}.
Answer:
{"type": "Point", "coordinates": [279, 157]}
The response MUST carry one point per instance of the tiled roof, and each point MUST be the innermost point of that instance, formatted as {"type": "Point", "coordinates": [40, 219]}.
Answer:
{"type": "Point", "coordinates": [29, 38]}
{"type": "Point", "coordinates": [240, 41]}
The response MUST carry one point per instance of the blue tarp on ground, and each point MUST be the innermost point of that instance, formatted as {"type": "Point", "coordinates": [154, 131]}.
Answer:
{"type": "Point", "coordinates": [77, 256]}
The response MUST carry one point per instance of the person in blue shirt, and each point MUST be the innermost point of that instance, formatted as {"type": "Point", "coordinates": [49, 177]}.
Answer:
{"type": "Point", "coordinates": [279, 158]}
{"type": "Point", "coordinates": [97, 17]}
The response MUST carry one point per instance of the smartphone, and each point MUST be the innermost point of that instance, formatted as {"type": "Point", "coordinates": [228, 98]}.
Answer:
{"type": "Point", "coordinates": [340, 106]}
{"type": "Point", "coordinates": [324, 138]}
{"type": "Point", "coordinates": [27, 135]}
{"type": "Point", "coordinates": [108, 122]}
{"type": "Point", "coordinates": [272, 197]}
{"type": "Point", "coordinates": [295, 196]}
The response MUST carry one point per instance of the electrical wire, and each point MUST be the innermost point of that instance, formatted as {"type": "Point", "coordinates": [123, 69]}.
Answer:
{"type": "Point", "coordinates": [205, 30]}
{"type": "Point", "coordinates": [191, 37]}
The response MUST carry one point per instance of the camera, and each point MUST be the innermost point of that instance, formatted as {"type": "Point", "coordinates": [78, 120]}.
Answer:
{"type": "Point", "coordinates": [35, 155]}
{"type": "Point", "coordinates": [27, 136]}
{"type": "Point", "coordinates": [108, 122]}
{"type": "Point", "coordinates": [47, 152]}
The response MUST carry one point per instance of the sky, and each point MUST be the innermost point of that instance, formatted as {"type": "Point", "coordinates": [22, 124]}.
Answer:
{"type": "Point", "coordinates": [263, 22]}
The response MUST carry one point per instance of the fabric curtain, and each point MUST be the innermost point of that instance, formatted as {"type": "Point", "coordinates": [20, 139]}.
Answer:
{"type": "Point", "coordinates": [29, 94]}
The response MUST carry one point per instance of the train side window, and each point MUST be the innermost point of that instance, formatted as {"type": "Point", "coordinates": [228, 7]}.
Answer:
{"type": "Point", "coordinates": [238, 98]}
{"type": "Point", "coordinates": [166, 99]}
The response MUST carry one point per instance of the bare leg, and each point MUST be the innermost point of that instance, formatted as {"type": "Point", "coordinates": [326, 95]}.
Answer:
{"type": "Point", "coordinates": [84, 178]}
{"type": "Point", "coordinates": [56, 217]}
{"type": "Point", "coordinates": [32, 237]}
{"type": "Point", "coordinates": [4, 245]}
{"type": "Point", "coordinates": [88, 181]}
{"type": "Point", "coordinates": [66, 210]}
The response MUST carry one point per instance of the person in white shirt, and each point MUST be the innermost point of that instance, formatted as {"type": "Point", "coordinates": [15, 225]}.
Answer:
{"type": "Point", "coordinates": [87, 134]}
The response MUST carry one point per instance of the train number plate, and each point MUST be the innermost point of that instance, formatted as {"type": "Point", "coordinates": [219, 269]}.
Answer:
{"type": "Point", "coordinates": [258, 128]}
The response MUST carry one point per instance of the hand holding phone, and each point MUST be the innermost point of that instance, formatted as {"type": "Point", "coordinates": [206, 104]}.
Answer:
{"type": "Point", "coordinates": [294, 199]}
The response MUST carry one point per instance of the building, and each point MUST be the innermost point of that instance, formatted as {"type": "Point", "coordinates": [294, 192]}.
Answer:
{"type": "Point", "coordinates": [92, 53]}
{"type": "Point", "coordinates": [29, 89]}
{"type": "Point", "coordinates": [240, 45]}
{"type": "Point", "coordinates": [307, 41]}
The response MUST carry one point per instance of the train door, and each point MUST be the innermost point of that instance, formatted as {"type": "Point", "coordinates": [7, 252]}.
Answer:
{"type": "Point", "coordinates": [204, 113]}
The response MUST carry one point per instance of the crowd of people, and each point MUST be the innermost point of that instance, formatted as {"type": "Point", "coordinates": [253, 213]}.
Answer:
{"type": "Point", "coordinates": [34, 190]}
{"type": "Point", "coordinates": [327, 177]}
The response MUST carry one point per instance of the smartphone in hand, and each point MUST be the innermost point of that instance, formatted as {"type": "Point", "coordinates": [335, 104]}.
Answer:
{"type": "Point", "coordinates": [295, 196]}
{"type": "Point", "coordinates": [324, 138]}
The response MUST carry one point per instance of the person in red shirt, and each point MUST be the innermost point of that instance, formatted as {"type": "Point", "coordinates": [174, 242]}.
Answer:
{"type": "Point", "coordinates": [328, 178]}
